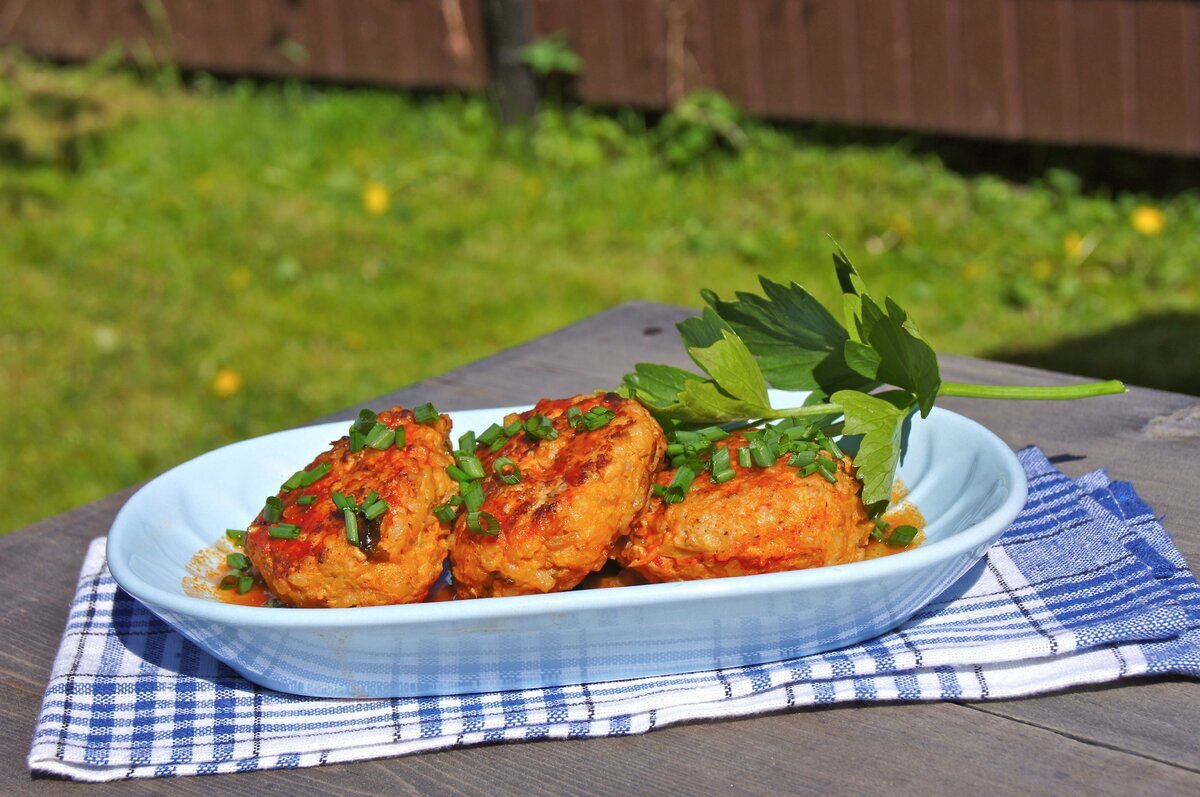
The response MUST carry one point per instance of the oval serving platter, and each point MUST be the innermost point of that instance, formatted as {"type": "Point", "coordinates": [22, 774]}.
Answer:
{"type": "Point", "coordinates": [964, 479]}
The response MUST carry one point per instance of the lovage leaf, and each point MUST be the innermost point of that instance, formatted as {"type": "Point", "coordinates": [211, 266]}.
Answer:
{"type": "Point", "coordinates": [704, 402]}
{"type": "Point", "coordinates": [906, 360]}
{"type": "Point", "coordinates": [880, 423]}
{"type": "Point", "coordinates": [658, 386]}
{"type": "Point", "coordinates": [731, 365]}
{"type": "Point", "coordinates": [797, 342]}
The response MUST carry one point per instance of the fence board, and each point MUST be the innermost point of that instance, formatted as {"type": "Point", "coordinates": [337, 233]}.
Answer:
{"type": "Point", "coordinates": [1162, 121]}
{"type": "Point", "coordinates": [1124, 72]}
{"type": "Point", "coordinates": [936, 64]}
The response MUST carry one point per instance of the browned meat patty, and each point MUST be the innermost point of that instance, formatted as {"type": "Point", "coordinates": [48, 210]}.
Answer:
{"type": "Point", "coordinates": [578, 494]}
{"type": "Point", "coordinates": [401, 552]}
{"type": "Point", "coordinates": [764, 520]}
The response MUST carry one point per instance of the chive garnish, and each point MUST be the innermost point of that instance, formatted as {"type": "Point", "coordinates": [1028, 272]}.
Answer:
{"type": "Point", "coordinates": [284, 531]}
{"type": "Point", "coordinates": [341, 501]}
{"type": "Point", "coordinates": [236, 536]}
{"type": "Point", "coordinates": [238, 561]}
{"type": "Point", "coordinates": [470, 465]}
{"type": "Point", "coordinates": [539, 426]}
{"type": "Point", "coordinates": [351, 525]}
{"type": "Point", "coordinates": [458, 474]}
{"type": "Point", "coordinates": [472, 495]}
{"type": "Point", "coordinates": [245, 584]}
{"type": "Point", "coordinates": [445, 513]}
{"type": "Point", "coordinates": [293, 481]}
{"type": "Point", "coordinates": [401, 437]}
{"type": "Point", "coordinates": [507, 470]}
{"type": "Point", "coordinates": [306, 500]}
{"type": "Point", "coordinates": [901, 536]}
{"type": "Point", "coordinates": [680, 482]}
{"type": "Point", "coordinates": [366, 419]}
{"type": "Point", "coordinates": [315, 473]}
{"type": "Point", "coordinates": [273, 511]}
{"type": "Point", "coordinates": [744, 457]}
{"type": "Point", "coordinates": [466, 443]}
{"type": "Point", "coordinates": [372, 511]}
{"type": "Point", "coordinates": [511, 429]}
{"type": "Point", "coordinates": [597, 417]}
{"type": "Point", "coordinates": [425, 414]}
{"type": "Point", "coordinates": [380, 437]}
{"type": "Point", "coordinates": [575, 419]}
{"type": "Point", "coordinates": [358, 441]}
{"type": "Point", "coordinates": [491, 435]}
{"type": "Point", "coordinates": [483, 523]}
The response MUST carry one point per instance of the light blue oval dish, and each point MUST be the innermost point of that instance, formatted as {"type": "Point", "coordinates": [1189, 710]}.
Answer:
{"type": "Point", "coordinates": [963, 478]}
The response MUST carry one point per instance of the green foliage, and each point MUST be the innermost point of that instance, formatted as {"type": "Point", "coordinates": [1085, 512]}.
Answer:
{"type": "Point", "coordinates": [209, 270]}
{"type": "Point", "coordinates": [552, 55]}
{"type": "Point", "coordinates": [701, 125]}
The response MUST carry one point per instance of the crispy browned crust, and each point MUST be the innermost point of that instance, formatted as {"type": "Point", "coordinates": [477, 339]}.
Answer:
{"type": "Point", "coordinates": [764, 520]}
{"type": "Point", "coordinates": [321, 568]}
{"type": "Point", "coordinates": [578, 495]}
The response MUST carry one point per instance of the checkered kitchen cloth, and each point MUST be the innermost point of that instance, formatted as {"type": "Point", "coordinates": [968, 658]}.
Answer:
{"type": "Point", "coordinates": [1084, 587]}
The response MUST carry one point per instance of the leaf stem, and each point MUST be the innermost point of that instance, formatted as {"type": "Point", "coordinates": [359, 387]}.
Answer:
{"type": "Point", "coordinates": [1086, 390]}
{"type": "Point", "coordinates": [809, 411]}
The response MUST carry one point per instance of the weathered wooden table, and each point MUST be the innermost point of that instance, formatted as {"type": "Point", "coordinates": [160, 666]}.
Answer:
{"type": "Point", "coordinates": [1137, 738]}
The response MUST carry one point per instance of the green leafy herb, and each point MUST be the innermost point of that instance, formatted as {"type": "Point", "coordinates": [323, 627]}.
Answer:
{"type": "Point", "coordinates": [786, 339]}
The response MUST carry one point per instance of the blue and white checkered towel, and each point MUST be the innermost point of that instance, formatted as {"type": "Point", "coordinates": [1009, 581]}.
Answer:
{"type": "Point", "coordinates": [1084, 587]}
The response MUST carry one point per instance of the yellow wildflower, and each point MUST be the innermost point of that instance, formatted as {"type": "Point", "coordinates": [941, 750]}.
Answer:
{"type": "Point", "coordinates": [238, 279]}
{"type": "Point", "coordinates": [1148, 220]}
{"type": "Point", "coordinates": [1072, 243]}
{"type": "Point", "coordinates": [375, 199]}
{"type": "Point", "coordinates": [974, 271]}
{"type": "Point", "coordinates": [226, 382]}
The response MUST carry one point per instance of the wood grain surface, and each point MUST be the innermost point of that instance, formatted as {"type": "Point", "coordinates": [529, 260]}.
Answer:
{"type": "Point", "coordinates": [1137, 738]}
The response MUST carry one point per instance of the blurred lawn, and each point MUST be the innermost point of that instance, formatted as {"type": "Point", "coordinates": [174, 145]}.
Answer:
{"type": "Point", "coordinates": [196, 266]}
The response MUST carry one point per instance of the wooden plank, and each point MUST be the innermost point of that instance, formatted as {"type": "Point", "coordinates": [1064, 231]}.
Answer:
{"type": "Point", "coordinates": [1133, 739]}
{"type": "Point", "coordinates": [936, 64]}
{"type": "Point", "coordinates": [983, 48]}
{"type": "Point", "coordinates": [728, 50]}
{"type": "Point", "coordinates": [878, 50]}
{"type": "Point", "coordinates": [1104, 72]}
{"type": "Point", "coordinates": [829, 83]}
{"type": "Point", "coordinates": [774, 22]}
{"type": "Point", "coordinates": [1042, 65]}
{"type": "Point", "coordinates": [1162, 75]}
{"type": "Point", "coordinates": [587, 23]}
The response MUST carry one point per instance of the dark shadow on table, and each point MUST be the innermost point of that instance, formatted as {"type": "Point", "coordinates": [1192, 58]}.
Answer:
{"type": "Point", "coordinates": [1159, 351]}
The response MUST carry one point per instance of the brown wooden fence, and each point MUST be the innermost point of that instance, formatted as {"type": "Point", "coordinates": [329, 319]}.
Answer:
{"type": "Point", "coordinates": [1108, 72]}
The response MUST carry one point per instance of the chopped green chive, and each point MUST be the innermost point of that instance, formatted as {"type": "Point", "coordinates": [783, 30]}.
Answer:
{"type": "Point", "coordinates": [597, 417]}
{"type": "Point", "coordinates": [245, 584]}
{"type": "Point", "coordinates": [293, 481]}
{"type": "Point", "coordinates": [445, 513]}
{"type": "Point", "coordinates": [539, 426]}
{"type": "Point", "coordinates": [358, 441]}
{"type": "Point", "coordinates": [491, 435]}
{"type": "Point", "coordinates": [467, 444]}
{"type": "Point", "coordinates": [366, 419]}
{"type": "Point", "coordinates": [273, 511]}
{"type": "Point", "coordinates": [499, 444]}
{"type": "Point", "coordinates": [229, 582]}
{"type": "Point", "coordinates": [238, 561]}
{"type": "Point", "coordinates": [901, 536]}
{"type": "Point", "coordinates": [470, 465]}
{"type": "Point", "coordinates": [306, 500]}
{"type": "Point", "coordinates": [744, 457]}
{"type": "Point", "coordinates": [472, 495]}
{"type": "Point", "coordinates": [351, 526]}
{"type": "Point", "coordinates": [483, 523]}
{"type": "Point", "coordinates": [680, 483]}
{"type": "Point", "coordinates": [575, 419]}
{"type": "Point", "coordinates": [315, 473]}
{"type": "Point", "coordinates": [425, 414]}
{"type": "Point", "coordinates": [719, 466]}
{"type": "Point", "coordinates": [401, 437]}
{"type": "Point", "coordinates": [802, 458]}
{"type": "Point", "coordinates": [507, 470]}
{"type": "Point", "coordinates": [342, 502]}
{"type": "Point", "coordinates": [513, 428]}
{"type": "Point", "coordinates": [762, 453]}
{"type": "Point", "coordinates": [458, 474]}
{"type": "Point", "coordinates": [284, 531]}
{"type": "Point", "coordinates": [713, 433]}
{"type": "Point", "coordinates": [236, 536]}
{"type": "Point", "coordinates": [372, 511]}
{"type": "Point", "coordinates": [380, 437]}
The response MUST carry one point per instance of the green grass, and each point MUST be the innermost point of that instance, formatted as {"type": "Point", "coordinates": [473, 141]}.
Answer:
{"type": "Point", "coordinates": [185, 240]}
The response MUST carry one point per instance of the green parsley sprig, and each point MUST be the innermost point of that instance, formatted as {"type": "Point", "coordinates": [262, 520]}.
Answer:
{"type": "Point", "coordinates": [788, 340]}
